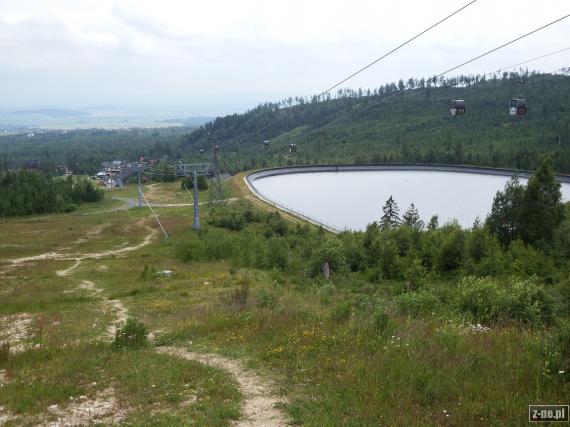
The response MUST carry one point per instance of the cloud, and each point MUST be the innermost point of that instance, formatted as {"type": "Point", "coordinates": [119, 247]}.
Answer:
{"type": "Point", "coordinates": [159, 50]}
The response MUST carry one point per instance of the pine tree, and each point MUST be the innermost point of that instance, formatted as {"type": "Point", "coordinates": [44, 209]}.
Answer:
{"type": "Point", "coordinates": [390, 218]}
{"type": "Point", "coordinates": [433, 223]}
{"type": "Point", "coordinates": [411, 218]}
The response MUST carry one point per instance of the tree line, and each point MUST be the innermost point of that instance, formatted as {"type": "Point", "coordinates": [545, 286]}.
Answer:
{"type": "Point", "coordinates": [399, 122]}
{"type": "Point", "coordinates": [31, 192]}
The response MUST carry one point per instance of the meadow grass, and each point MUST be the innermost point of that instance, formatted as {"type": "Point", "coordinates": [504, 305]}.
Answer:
{"type": "Point", "coordinates": [341, 351]}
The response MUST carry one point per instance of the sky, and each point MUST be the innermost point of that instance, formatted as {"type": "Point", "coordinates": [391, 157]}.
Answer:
{"type": "Point", "coordinates": [220, 57]}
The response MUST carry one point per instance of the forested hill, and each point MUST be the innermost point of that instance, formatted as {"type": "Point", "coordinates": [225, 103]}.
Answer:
{"type": "Point", "coordinates": [404, 122]}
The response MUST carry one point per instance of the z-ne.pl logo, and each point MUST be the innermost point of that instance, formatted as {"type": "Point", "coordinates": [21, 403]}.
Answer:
{"type": "Point", "coordinates": [548, 413]}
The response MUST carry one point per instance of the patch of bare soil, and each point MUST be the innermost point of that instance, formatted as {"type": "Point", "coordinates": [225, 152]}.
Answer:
{"type": "Point", "coordinates": [260, 403]}
{"type": "Point", "coordinates": [121, 315]}
{"type": "Point", "coordinates": [41, 257]}
{"type": "Point", "coordinates": [5, 416]}
{"type": "Point", "coordinates": [103, 409]}
{"type": "Point", "coordinates": [15, 330]}
{"type": "Point", "coordinates": [67, 271]}
{"type": "Point", "coordinates": [3, 377]}
{"type": "Point", "coordinates": [60, 256]}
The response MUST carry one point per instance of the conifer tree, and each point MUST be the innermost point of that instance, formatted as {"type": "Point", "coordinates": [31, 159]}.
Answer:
{"type": "Point", "coordinates": [390, 215]}
{"type": "Point", "coordinates": [412, 219]}
{"type": "Point", "coordinates": [433, 223]}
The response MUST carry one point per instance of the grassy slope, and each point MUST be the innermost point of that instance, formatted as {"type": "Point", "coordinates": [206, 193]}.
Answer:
{"type": "Point", "coordinates": [336, 368]}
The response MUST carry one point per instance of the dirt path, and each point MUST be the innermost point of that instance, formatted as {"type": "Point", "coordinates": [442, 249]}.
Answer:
{"type": "Point", "coordinates": [59, 256]}
{"type": "Point", "coordinates": [259, 406]}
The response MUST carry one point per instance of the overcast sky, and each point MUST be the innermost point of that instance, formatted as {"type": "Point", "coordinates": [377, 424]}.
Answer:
{"type": "Point", "coordinates": [221, 56]}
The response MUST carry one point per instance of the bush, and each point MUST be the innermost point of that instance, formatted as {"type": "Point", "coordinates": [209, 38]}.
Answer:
{"type": "Point", "coordinates": [206, 245]}
{"type": "Point", "coordinates": [70, 207]}
{"type": "Point", "coordinates": [132, 334]}
{"type": "Point", "coordinates": [329, 251]}
{"type": "Point", "coordinates": [417, 303]}
{"type": "Point", "coordinates": [529, 303]}
{"type": "Point", "coordinates": [276, 225]}
{"type": "Point", "coordinates": [482, 299]}
{"type": "Point", "coordinates": [277, 253]}
{"type": "Point", "coordinates": [452, 251]}
{"type": "Point", "coordinates": [413, 272]}
{"type": "Point", "coordinates": [226, 218]}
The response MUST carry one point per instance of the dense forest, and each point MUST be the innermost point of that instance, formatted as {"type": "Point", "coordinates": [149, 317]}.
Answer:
{"type": "Point", "coordinates": [82, 151]}
{"type": "Point", "coordinates": [403, 122]}
{"type": "Point", "coordinates": [31, 192]}
{"type": "Point", "coordinates": [406, 122]}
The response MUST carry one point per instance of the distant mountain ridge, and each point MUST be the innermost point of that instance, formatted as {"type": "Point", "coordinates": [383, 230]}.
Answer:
{"type": "Point", "coordinates": [51, 112]}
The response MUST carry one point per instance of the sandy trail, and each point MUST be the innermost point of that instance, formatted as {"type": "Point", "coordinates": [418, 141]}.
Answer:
{"type": "Point", "coordinates": [59, 256]}
{"type": "Point", "coordinates": [15, 329]}
{"type": "Point", "coordinates": [259, 406]}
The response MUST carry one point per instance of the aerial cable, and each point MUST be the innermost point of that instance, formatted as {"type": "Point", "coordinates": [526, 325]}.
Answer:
{"type": "Point", "coordinates": [417, 91]}
{"type": "Point", "coordinates": [502, 46]}
{"type": "Point", "coordinates": [373, 62]}
{"type": "Point", "coordinates": [530, 60]}
{"type": "Point", "coordinates": [395, 49]}
{"type": "Point", "coordinates": [374, 104]}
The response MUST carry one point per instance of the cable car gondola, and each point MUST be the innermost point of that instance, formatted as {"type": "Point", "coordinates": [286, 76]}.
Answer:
{"type": "Point", "coordinates": [457, 107]}
{"type": "Point", "coordinates": [292, 148]}
{"type": "Point", "coordinates": [266, 144]}
{"type": "Point", "coordinates": [518, 107]}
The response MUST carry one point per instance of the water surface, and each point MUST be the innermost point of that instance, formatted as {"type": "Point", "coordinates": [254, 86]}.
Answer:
{"type": "Point", "coordinates": [351, 200]}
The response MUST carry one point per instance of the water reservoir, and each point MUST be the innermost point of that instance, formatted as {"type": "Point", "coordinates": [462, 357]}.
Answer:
{"type": "Point", "coordinates": [350, 197]}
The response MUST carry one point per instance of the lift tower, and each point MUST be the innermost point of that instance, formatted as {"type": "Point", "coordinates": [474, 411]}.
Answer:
{"type": "Point", "coordinates": [211, 171]}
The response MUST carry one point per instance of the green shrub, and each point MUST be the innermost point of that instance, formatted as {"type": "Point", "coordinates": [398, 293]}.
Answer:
{"type": "Point", "coordinates": [70, 207]}
{"type": "Point", "coordinates": [482, 299]}
{"type": "Point", "coordinates": [206, 245]}
{"type": "Point", "coordinates": [132, 334]}
{"type": "Point", "coordinates": [225, 217]}
{"type": "Point", "coordinates": [413, 272]}
{"type": "Point", "coordinates": [418, 303]}
{"type": "Point", "coordinates": [329, 251]}
{"type": "Point", "coordinates": [529, 303]}
{"type": "Point", "coordinates": [277, 253]}
{"type": "Point", "coordinates": [452, 250]}
{"type": "Point", "coordinates": [275, 225]}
